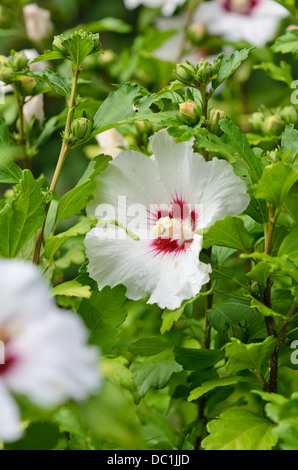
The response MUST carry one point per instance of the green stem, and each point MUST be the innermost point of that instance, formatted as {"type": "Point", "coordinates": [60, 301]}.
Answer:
{"type": "Point", "coordinates": [61, 160]}
{"type": "Point", "coordinates": [273, 363]}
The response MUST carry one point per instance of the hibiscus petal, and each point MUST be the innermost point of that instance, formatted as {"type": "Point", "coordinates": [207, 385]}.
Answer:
{"type": "Point", "coordinates": [10, 428]}
{"type": "Point", "coordinates": [168, 278]}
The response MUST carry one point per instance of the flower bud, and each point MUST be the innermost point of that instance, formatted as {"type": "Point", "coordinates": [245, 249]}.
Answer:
{"type": "Point", "coordinates": [27, 85]}
{"type": "Point", "coordinates": [185, 73]}
{"type": "Point", "coordinates": [292, 27]}
{"type": "Point", "coordinates": [190, 112]}
{"type": "Point", "coordinates": [215, 116]}
{"type": "Point", "coordinates": [6, 72]}
{"type": "Point", "coordinates": [58, 44]}
{"type": "Point", "coordinates": [257, 121]}
{"type": "Point", "coordinates": [205, 71]}
{"type": "Point", "coordinates": [37, 22]}
{"type": "Point", "coordinates": [196, 33]}
{"type": "Point", "coordinates": [273, 125]}
{"type": "Point", "coordinates": [19, 61]}
{"type": "Point", "coordinates": [289, 115]}
{"type": "Point", "coordinates": [81, 128]}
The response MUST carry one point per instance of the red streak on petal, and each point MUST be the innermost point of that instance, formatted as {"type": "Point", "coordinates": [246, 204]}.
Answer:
{"type": "Point", "coordinates": [251, 4]}
{"type": "Point", "coordinates": [10, 361]}
{"type": "Point", "coordinates": [165, 246]}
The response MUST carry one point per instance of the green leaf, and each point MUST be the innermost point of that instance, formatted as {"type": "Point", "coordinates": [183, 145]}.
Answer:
{"type": "Point", "coordinates": [197, 359]}
{"type": "Point", "coordinates": [226, 66]}
{"type": "Point", "coordinates": [115, 25]}
{"type": "Point", "coordinates": [56, 81]}
{"type": "Point", "coordinates": [154, 371]}
{"type": "Point", "coordinates": [149, 346]}
{"type": "Point", "coordinates": [112, 417]}
{"type": "Point", "coordinates": [169, 317]}
{"type": "Point", "coordinates": [79, 45]}
{"type": "Point", "coordinates": [260, 273]}
{"type": "Point", "coordinates": [10, 172]}
{"type": "Point", "coordinates": [120, 108]}
{"type": "Point", "coordinates": [103, 313]}
{"type": "Point", "coordinates": [289, 143]}
{"type": "Point", "coordinates": [249, 356]}
{"type": "Point", "coordinates": [48, 55]}
{"type": "Point", "coordinates": [234, 315]}
{"type": "Point", "coordinates": [53, 244]}
{"type": "Point", "coordinates": [116, 370]}
{"type": "Point", "coordinates": [21, 218]}
{"type": "Point", "coordinates": [72, 289]}
{"type": "Point", "coordinates": [287, 43]}
{"type": "Point", "coordinates": [239, 430]}
{"type": "Point", "coordinates": [282, 73]}
{"type": "Point", "coordinates": [229, 232]}
{"type": "Point", "coordinates": [284, 412]}
{"type": "Point", "coordinates": [276, 182]}
{"type": "Point", "coordinates": [289, 246]}
{"type": "Point", "coordinates": [211, 384]}
{"type": "Point", "coordinates": [76, 199]}
{"type": "Point", "coordinates": [240, 149]}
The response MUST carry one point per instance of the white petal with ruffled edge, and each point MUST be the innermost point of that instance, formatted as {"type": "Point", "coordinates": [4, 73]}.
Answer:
{"type": "Point", "coordinates": [53, 355]}
{"type": "Point", "coordinates": [173, 173]}
{"type": "Point", "coordinates": [259, 27]}
{"type": "Point", "coordinates": [166, 278]}
{"type": "Point", "coordinates": [48, 358]}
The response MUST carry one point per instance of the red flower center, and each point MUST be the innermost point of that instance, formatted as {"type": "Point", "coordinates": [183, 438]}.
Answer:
{"type": "Point", "coordinates": [243, 7]}
{"type": "Point", "coordinates": [173, 227]}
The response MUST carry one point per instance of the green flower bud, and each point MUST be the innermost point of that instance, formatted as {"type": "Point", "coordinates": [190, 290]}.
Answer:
{"type": "Point", "coordinates": [58, 45]}
{"type": "Point", "coordinates": [6, 72]}
{"type": "Point", "coordinates": [97, 43]}
{"type": "Point", "coordinates": [273, 125]}
{"type": "Point", "coordinates": [289, 115]}
{"type": "Point", "coordinates": [81, 128]}
{"type": "Point", "coordinates": [185, 73]}
{"type": "Point", "coordinates": [215, 116]}
{"type": "Point", "coordinates": [196, 33]}
{"type": "Point", "coordinates": [190, 112]}
{"type": "Point", "coordinates": [257, 121]}
{"type": "Point", "coordinates": [27, 85]}
{"type": "Point", "coordinates": [19, 61]}
{"type": "Point", "coordinates": [205, 71]}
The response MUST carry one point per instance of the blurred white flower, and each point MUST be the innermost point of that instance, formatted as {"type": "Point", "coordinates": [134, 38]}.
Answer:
{"type": "Point", "coordinates": [168, 6]}
{"type": "Point", "coordinates": [37, 66]}
{"type": "Point", "coordinates": [178, 193]}
{"type": "Point", "coordinates": [46, 354]}
{"type": "Point", "coordinates": [33, 108]}
{"type": "Point", "coordinates": [110, 142]}
{"type": "Point", "coordinates": [38, 22]}
{"type": "Point", "coordinates": [255, 21]}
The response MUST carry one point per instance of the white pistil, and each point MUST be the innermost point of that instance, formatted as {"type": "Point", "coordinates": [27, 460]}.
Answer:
{"type": "Point", "coordinates": [175, 229]}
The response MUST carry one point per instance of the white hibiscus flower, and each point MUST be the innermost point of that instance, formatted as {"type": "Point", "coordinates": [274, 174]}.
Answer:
{"type": "Point", "coordinates": [180, 193]}
{"type": "Point", "coordinates": [33, 108]}
{"type": "Point", "coordinates": [255, 21]}
{"type": "Point", "coordinates": [46, 355]}
{"type": "Point", "coordinates": [38, 22]}
{"type": "Point", "coordinates": [168, 6]}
